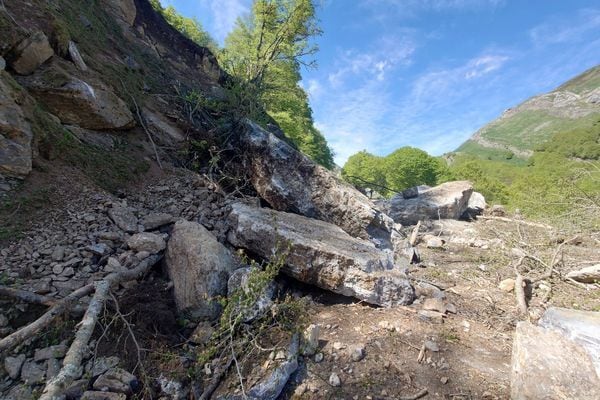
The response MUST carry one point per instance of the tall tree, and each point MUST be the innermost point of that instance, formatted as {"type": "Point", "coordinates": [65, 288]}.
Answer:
{"type": "Point", "coordinates": [265, 51]}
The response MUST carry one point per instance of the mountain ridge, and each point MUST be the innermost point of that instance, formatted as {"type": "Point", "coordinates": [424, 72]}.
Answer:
{"type": "Point", "coordinates": [519, 130]}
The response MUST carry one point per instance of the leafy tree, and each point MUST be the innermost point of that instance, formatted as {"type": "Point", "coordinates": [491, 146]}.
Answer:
{"type": "Point", "coordinates": [189, 27]}
{"type": "Point", "coordinates": [265, 52]}
{"type": "Point", "coordinates": [363, 170]}
{"type": "Point", "coordinates": [404, 168]}
{"type": "Point", "coordinates": [408, 167]}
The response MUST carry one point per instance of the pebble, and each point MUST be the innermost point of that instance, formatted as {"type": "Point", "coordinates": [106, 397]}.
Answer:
{"type": "Point", "coordinates": [334, 380]}
{"type": "Point", "coordinates": [507, 285]}
{"type": "Point", "coordinates": [357, 353]}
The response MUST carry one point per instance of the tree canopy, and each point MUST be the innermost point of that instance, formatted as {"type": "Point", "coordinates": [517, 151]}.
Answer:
{"type": "Point", "coordinates": [404, 168]}
{"type": "Point", "coordinates": [190, 27]}
{"type": "Point", "coordinates": [265, 51]}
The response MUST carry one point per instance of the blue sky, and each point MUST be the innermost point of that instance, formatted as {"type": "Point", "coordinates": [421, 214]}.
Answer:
{"type": "Point", "coordinates": [428, 73]}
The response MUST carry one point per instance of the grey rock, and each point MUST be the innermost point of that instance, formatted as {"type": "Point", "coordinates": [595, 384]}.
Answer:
{"type": "Point", "coordinates": [100, 249]}
{"type": "Point", "coordinates": [446, 201]}
{"type": "Point", "coordinates": [33, 373]}
{"type": "Point", "coordinates": [3, 321]}
{"type": "Point", "coordinates": [15, 132]}
{"type": "Point", "coordinates": [103, 364]}
{"type": "Point", "coordinates": [174, 390]}
{"type": "Point", "coordinates": [589, 274]}
{"type": "Point", "coordinates": [156, 220]}
{"type": "Point", "coordinates": [199, 267]}
{"type": "Point", "coordinates": [202, 333]}
{"type": "Point", "coordinates": [357, 353]}
{"type": "Point", "coordinates": [431, 346]}
{"type": "Point", "coordinates": [13, 365]}
{"type": "Point", "coordinates": [321, 254]}
{"type": "Point", "coordinates": [476, 204]}
{"type": "Point", "coordinates": [57, 351]}
{"type": "Point", "coordinates": [290, 181]}
{"type": "Point", "coordinates": [116, 380]}
{"type": "Point", "coordinates": [77, 102]}
{"type": "Point", "coordinates": [271, 386]}
{"type": "Point", "coordinates": [239, 281]}
{"type": "Point", "coordinates": [124, 10]}
{"type": "Point", "coordinates": [99, 395]}
{"type": "Point", "coordinates": [28, 55]}
{"type": "Point", "coordinates": [547, 365]}
{"type": "Point", "coordinates": [58, 254]}
{"type": "Point", "coordinates": [19, 392]}
{"type": "Point", "coordinates": [76, 389]}
{"type": "Point", "coordinates": [76, 56]}
{"type": "Point", "coordinates": [124, 218]}
{"type": "Point", "coordinates": [52, 367]}
{"type": "Point", "coordinates": [334, 380]}
{"type": "Point", "coordinates": [431, 316]}
{"type": "Point", "coordinates": [319, 357]}
{"type": "Point", "coordinates": [583, 327]}
{"type": "Point", "coordinates": [310, 340]}
{"type": "Point", "coordinates": [146, 241]}
{"type": "Point", "coordinates": [2, 63]}
{"type": "Point", "coordinates": [433, 242]}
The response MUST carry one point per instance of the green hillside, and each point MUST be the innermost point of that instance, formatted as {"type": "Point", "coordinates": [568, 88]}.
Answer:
{"type": "Point", "coordinates": [573, 106]}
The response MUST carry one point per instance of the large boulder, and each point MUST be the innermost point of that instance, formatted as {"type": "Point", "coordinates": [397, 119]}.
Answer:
{"type": "Point", "coordinates": [30, 53]}
{"type": "Point", "coordinates": [290, 181]}
{"type": "Point", "coordinates": [124, 10]}
{"type": "Point", "coordinates": [583, 327]}
{"type": "Point", "coordinates": [546, 364]}
{"type": "Point", "coordinates": [446, 201]}
{"type": "Point", "coordinates": [15, 132]}
{"type": "Point", "coordinates": [321, 254]}
{"type": "Point", "coordinates": [76, 102]}
{"type": "Point", "coordinates": [199, 267]}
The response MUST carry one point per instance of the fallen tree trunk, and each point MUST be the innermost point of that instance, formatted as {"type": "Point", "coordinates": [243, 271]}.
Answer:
{"type": "Point", "coordinates": [60, 308]}
{"type": "Point", "coordinates": [26, 296]}
{"type": "Point", "coordinates": [71, 369]}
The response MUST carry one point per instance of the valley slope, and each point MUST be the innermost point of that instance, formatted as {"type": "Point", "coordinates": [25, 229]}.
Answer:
{"type": "Point", "coordinates": [575, 105]}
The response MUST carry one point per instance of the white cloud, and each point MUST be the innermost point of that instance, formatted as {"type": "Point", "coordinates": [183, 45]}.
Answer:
{"type": "Point", "coordinates": [441, 86]}
{"type": "Point", "coordinates": [384, 9]}
{"type": "Point", "coordinates": [484, 65]}
{"type": "Point", "coordinates": [313, 87]}
{"type": "Point", "coordinates": [225, 13]}
{"type": "Point", "coordinates": [391, 52]}
{"type": "Point", "coordinates": [352, 119]}
{"type": "Point", "coordinates": [561, 30]}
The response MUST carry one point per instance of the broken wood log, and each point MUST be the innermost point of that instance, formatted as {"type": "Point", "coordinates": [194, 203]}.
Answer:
{"type": "Point", "coordinates": [71, 369]}
{"type": "Point", "coordinates": [65, 304]}
{"type": "Point", "coordinates": [60, 308]}
{"type": "Point", "coordinates": [26, 296]}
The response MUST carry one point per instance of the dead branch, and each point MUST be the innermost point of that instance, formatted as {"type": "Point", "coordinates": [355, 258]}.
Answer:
{"type": "Point", "coordinates": [66, 304]}
{"type": "Point", "coordinates": [415, 234]}
{"type": "Point", "coordinates": [518, 221]}
{"type": "Point", "coordinates": [520, 294]}
{"type": "Point", "coordinates": [60, 308]}
{"type": "Point", "coordinates": [415, 396]}
{"type": "Point", "coordinates": [71, 369]}
{"type": "Point", "coordinates": [216, 380]}
{"type": "Point", "coordinates": [26, 296]}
